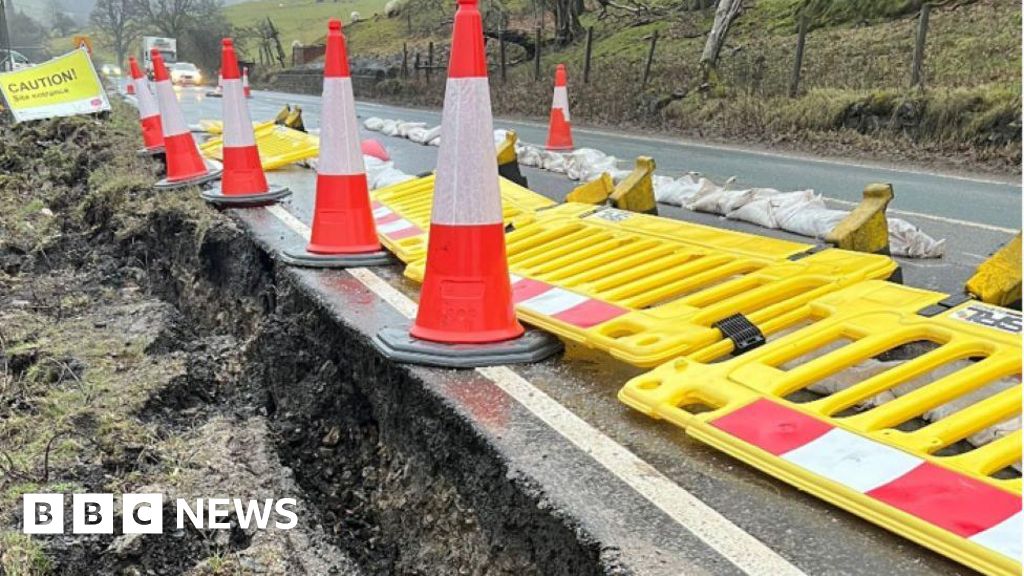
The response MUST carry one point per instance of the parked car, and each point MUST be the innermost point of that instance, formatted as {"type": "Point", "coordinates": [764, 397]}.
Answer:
{"type": "Point", "coordinates": [20, 61]}
{"type": "Point", "coordinates": [185, 74]}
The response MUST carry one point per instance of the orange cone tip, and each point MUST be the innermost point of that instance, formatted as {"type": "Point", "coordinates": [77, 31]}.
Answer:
{"type": "Point", "coordinates": [559, 126]}
{"type": "Point", "coordinates": [343, 232]}
{"type": "Point", "coordinates": [243, 182]}
{"type": "Point", "coordinates": [184, 164]}
{"type": "Point", "coordinates": [149, 112]}
{"type": "Point", "coordinates": [465, 316]}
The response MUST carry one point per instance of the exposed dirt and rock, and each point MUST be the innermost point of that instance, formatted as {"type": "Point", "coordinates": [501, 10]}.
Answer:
{"type": "Point", "coordinates": [146, 345]}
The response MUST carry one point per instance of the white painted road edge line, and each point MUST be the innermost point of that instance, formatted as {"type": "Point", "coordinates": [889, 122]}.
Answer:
{"type": "Point", "coordinates": [734, 544]}
{"type": "Point", "coordinates": [943, 219]}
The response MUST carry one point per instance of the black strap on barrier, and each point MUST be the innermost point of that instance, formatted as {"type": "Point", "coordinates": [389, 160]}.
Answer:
{"type": "Point", "coordinates": [744, 334]}
{"type": "Point", "coordinates": [811, 251]}
{"type": "Point", "coordinates": [944, 305]}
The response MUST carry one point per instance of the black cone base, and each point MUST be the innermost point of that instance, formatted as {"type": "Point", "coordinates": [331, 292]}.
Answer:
{"type": "Point", "coordinates": [215, 196]}
{"type": "Point", "coordinates": [532, 346]}
{"type": "Point", "coordinates": [311, 260]}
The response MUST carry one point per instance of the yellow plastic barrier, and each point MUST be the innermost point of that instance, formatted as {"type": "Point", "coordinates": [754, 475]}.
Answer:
{"type": "Point", "coordinates": [828, 409]}
{"type": "Point", "coordinates": [998, 279]}
{"type": "Point", "coordinates": [279, 146]}
{"type": "Point", "coordinates": [216, 127]}
{"type": "Point", "coordinates": [647, 289]}
{"type": "Point", "coordinates": [636, 192]}
{"type": "Point", "coordinates": [865, 229]}
{"type": "Point", "coordinates": [594, 192]}
{"type": "Point", "coordinates": [402, 213]}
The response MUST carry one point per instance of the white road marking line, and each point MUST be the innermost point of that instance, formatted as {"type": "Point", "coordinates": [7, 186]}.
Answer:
{"type": "Point", "coordinates": [935, 218]}
{"type": "Point", "coordinates": [734, 544]}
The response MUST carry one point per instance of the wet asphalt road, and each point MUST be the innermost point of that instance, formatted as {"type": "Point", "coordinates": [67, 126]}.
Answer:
{"type": "Point", "coordinates": [815, 537]}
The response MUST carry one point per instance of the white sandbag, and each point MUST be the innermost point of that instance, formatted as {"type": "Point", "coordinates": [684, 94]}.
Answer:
{"type": "Point", "coordinates": [373, 124]}
{"type": "Point", "coordinates": [553, 162]}
{"type": "Point", "coordinates": [530, 156]}
{"type": "Point", "coordinates": [908, 240]}
{"type": "Point", "coordinates": [435, 141]}
{"type": "Point", "coordinates": [499, 136]}
{"type": "Point", "coordinates": [419, 135]}
{"type": "Point", "coordinates": [811, 220]}
{"type": "Point", "coordinates": [721, 201]}
{"type": "Point", "coordinates": [389, 128]}
{"type": "Point", "coordinates": [768, 204]}
{"type": "Point", "coordinates": [684, 189]}
{"type": "Point", "coordinates": [405, 127]}
{"type": "Point", "coordinates": [586, 164]}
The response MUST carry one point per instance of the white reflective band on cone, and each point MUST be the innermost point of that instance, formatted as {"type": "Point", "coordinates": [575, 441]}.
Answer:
{"type": "Point", "coordinates": [237, 124]}
{"type": "Point", "coordinates": [340, 152]}
{"type": "Point", "coordinates": [561, 100]}
{"type": "Point", "coordinates": [144, 98]}
{"type": "Point", "coordinates": [466, 187]}
{"type": "Point", "coordinates": [171, 119]}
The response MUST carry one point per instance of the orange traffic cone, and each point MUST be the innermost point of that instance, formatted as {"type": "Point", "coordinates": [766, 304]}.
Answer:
{"type": "Point", "coordinates": [343, 232]}
{"type": "Point", "coordinates": [149, 113]}
{"type": "Point", "coordinates": [185, 167]}
{"type": "Point", "coordinates": [560, 129]}
{"type": "Point", "coordinates": [465, 316]}
{"type": "Point", "coordinates": [243, 182]}
{"type": "Point", "coordinates": [245, 82]}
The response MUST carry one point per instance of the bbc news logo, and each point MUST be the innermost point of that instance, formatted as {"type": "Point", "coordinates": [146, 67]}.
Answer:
{"type": "Point", "coordinates": [144, 513]}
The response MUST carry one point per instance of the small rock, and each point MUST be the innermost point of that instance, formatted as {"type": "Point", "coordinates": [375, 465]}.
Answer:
{"type": "Point", "coordinates": [126, 545]}
{"type": "Point", "coordinates": [332, 437]}
{"type": "Point", "coordinates": [46, 212]}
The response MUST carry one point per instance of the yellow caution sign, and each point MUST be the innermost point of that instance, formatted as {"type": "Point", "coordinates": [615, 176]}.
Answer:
{"type": "Point", "coordinates": [65, 86]}
{"type": "Point", "coordinates": [648, 289]}
{"type": "Point", "coordinates": [402, 213]}
{"type": "Point", "coordinates": [998, 279]}
{"type": "Point", "coordinates": [897, 404]}
{"type": "Point", "coordinates": [279, 146]}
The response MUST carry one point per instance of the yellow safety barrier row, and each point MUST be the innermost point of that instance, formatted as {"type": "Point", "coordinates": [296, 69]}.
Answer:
{"type": "Point", "coordinates": [828, 409]}
{"type": "Point", "coordinates": [402, 213]}
{"type": "Point", "coordinates": [279, 146]}
{"type": "Point", "coordinates": [647, 289]}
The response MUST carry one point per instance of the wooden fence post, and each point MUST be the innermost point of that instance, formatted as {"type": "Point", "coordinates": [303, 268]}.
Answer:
{"type": "Point", "coordinates": [798, 62]}
{"type": "Point", "coordinates": [917, 70]}
{"type": "Point", "coordinates": [586, 59]}
{"type": "Point", "coordinates": [650, 59]}
{"type": "Point", "coordinates": [430, 60]}
{"type": "Point", "coordinates": [416, 66]}
{"type": "Point", "coordinates": [405, 60]}
{"type": "Point", "coordinates": [536, 58]}
{"type": "Point", "coordinates": [501, 53]}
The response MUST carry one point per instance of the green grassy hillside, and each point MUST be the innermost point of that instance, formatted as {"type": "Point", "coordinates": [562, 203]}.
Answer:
{"type": "Point", "coordinates": [854, 97]}
{"type": "Point", "coordinates": [302, 20]}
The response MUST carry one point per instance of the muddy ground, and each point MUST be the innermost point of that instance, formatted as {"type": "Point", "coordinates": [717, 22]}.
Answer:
{"type": "Point", "coordinates": [147, 346]}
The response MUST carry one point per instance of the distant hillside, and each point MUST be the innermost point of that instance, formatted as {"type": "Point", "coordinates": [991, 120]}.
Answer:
{"type": "Point", "coordinates": [302, 20]}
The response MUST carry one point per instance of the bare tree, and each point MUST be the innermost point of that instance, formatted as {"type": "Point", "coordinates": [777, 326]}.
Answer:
{"type": "Point", "coordinates": [725, 13]}
{"type": "Point", "coordinates": [119, 25]}
{"type": "Point", "coordinates": [567, 19]}
{"type": "Point", "coordinates": [169, 17]}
